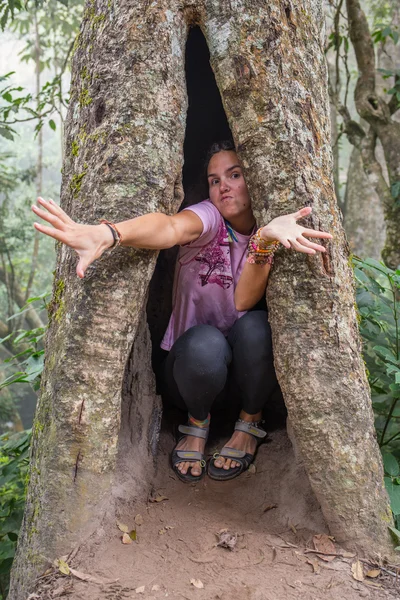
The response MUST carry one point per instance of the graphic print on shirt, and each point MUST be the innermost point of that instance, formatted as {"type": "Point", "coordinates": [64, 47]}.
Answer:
{"type": "Point", "coordinates": [215, 259]}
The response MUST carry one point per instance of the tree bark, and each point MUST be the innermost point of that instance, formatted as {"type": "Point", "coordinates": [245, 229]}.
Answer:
{"type": "Point", "coordinates": [364, 220]}
{"type": "Point", "coordinates": [124, 153]}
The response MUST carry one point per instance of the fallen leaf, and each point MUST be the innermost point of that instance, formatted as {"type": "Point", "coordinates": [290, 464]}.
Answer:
{"type": "Point", "coordinates": [227, 539]}
{"type": "Point", "coordinates": [140, 590]}
{"type": "Point", "coordinates": [91, 578]}
{"type": "Point", "coordinates": [197, 583]}
{"type": "Point", "coordinates": [348, 554]}
{"type": "Point", "coordinates": [315, 565]}
{"type": "Point", "coordinates": [374, 573]}
{"type": "Point", "coordinates": [357, 571]}
{"type": "Point", "coordinates": [323, 543]}
{"type": "Point", "coordinates": [252, 469]}
{"type": "Point", "coordinates": [270, 507]}
{"type": "Point", "coordinates": [63, 567]}
{"type": "Point", "coordinates": [126, 539]}
{"type": "Point", "coordinates": [157, 498]}
{"type": "Point", "coordinates": [133, 535]}
{"type": "Point", "coordinates": [139, 520]}
{"type": "Point", "coordinates": [122, 527]}
{"type": "Point", "coordinates": [293, 528]}
{"type": "Point", "coordinates": [155, 588]}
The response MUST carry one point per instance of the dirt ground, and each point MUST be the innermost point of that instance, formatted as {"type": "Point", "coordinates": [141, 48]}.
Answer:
{"type": "Point", "coordinates": [271, 512]}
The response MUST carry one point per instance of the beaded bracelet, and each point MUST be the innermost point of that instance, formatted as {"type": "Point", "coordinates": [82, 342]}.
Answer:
{"type": "Point", "coordinates": [115, 233]}
{"type": "Point", "coordinates": [260, 250]}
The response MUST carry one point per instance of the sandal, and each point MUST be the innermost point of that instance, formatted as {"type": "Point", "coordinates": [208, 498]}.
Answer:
{"type": "Point", "coordinates": [179, 456]}
{"type": "Point", "coordinates": [245, 459]}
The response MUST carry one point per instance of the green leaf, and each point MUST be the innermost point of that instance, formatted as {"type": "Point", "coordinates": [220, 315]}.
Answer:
{"type": "Point", "coordinates": [394, 494]}
{"type": "Point", "coordinates": [52, 125]}
{"type": "Point", "coordinates": [391, 465]}
{"type": "Point", "coordinates": [395, 533]}
{"type": "Point", "coordinates": [7, 96]}
{"type": "Point", "coordinates": [6, 133]}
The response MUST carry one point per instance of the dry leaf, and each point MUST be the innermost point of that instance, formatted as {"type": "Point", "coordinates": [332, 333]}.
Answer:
{"type": "Point", "coordinates": [162, 531]}
{"type": "Point", "coordinates": [227, 539]}
{"type": "Point", "coordinates": [315, 565]}
{"type": "Point", "coordinates": [63, 567]}
{"type": "Point", "coordinates": [157, 498]}
{"type": "Point", "coordinates": [140, 590]}
{"type": "Point", "coordinates": [293, 528]}
{"type": "Point", "coordinates": [91, 578]}
{"type": "Point", "coordinates": [122, 527]}
{"type": "Point", "coordinates": [270, 507]}
{"type": "Point", "coordinates": [126, 539]}
{"type": "Point", "coordinates": [323, 543]}
{"type": "Point", "coordinates": [197, 583]}
{"type": "Point", "coordinates": [348, 554]}
{"type": "Point", "coordinates": [252, 469]}
{"type": "Point", "coordinates": [374, 573]}
{"type": "Point", "coordinates": [155, 588]}
{"type": "Point", "coordinates": [357, 571]}
{"type": "Point", "coordinates": [139, 520]}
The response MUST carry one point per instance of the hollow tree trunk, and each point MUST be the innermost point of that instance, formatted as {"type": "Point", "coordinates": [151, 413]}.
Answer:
{"type": "Point", "coordinates": [124, 140]}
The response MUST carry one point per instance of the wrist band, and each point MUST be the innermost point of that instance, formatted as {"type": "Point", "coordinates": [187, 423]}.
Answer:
{"type": "Point", "coordinates": [260, 250]}
{"type": "Point", "coordinates": [115, 233]}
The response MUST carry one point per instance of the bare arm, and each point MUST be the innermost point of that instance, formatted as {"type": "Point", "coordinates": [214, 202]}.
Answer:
{"type": "Point", "coordinates": [253, 279]}
{"type": "Point", "coordinates": [152, 231]}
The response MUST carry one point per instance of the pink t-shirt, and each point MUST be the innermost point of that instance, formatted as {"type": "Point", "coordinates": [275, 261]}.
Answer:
{"type": "Point", "coordinates": [206, 274]}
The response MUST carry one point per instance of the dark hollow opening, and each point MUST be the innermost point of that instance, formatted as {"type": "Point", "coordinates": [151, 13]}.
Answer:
{"type": "Point", "coordinates": [206, 123]}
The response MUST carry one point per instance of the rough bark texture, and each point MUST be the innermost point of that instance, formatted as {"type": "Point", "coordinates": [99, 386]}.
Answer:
{"type": "Point", "coordinates": [363, 220]}
{"type": "Point", "coordinates": [124, 140]}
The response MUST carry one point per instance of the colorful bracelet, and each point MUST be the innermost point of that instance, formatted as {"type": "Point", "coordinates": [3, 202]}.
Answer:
{"type": "Point", "coordinates": [260, 250]}
{"type": "Point", "coordinates": [115, 233]}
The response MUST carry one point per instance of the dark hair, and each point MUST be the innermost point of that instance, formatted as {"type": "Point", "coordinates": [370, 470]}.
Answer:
{"type": "Point", "coordinates": [227, 145]}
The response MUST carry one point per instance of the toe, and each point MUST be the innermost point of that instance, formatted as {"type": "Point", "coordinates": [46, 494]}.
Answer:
{"type": "Point", "coordinates": [219, 462]}
{"type": "Point", "coordinates": [196, 469]}
{"type": "Point", "coordinates": [227, 464]}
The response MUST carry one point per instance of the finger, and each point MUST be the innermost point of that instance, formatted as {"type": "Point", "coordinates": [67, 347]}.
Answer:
{"type": "Point", "coordinates": [300, 248]}
{"type": "Point", "coordinates": [54, 209]}
{"type": "Point", "coordinates": [303, 212]}
{"type": "Point", "coordinates": [284, 241]}
{"type": "Point", "coordinates": [50, 231]}
{"type": "Point", "coordinates": [81, 268]}
{"type": "Point", "coordinates": [317, 234]}
{"type": "Point", "coordinates": [50, 218]}
{"type": "Point", "coordinates": [304, 242]}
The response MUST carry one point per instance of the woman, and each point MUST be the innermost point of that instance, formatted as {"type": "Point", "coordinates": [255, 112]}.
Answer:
{"type": "Point", "coordinates": [222, 271]}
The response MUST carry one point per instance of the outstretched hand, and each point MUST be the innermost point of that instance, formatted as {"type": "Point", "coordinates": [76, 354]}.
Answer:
{"type": "Point", "coordinates": [89, 241]}
{"type": "Point", "coordinates": [291, 235]}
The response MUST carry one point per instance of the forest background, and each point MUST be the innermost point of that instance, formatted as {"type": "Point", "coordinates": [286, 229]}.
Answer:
{"type": "Point", "coordinates": [36, 46]}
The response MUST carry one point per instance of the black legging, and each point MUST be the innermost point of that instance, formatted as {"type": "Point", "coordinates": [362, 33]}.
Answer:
{"type": "Point", "coordinates": [202, 360]}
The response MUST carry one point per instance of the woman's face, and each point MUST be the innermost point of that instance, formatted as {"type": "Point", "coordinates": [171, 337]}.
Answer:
{"type": "Point", "coordinates": [227, 187]}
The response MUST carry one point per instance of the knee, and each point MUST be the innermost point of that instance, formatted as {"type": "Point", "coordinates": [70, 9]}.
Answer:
{"type": "Point", "coordinates": [253, 334]}
{"type": "Point", "coordinates": [206, 347]}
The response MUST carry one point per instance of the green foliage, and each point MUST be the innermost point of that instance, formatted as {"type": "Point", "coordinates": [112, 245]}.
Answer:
{"type": "Point", "coordinates": [378, 300]}
{"type": "Point", "coordinates": [14, 458]}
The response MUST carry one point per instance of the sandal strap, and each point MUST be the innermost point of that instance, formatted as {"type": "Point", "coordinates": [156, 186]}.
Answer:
{"type": "Point", "coordinates": [227, 452]}
{"type": "Point", "coordinates": [250, 429]}
{"type": "Point", "coordinates": [194, 431]}
{"type": "Point", "coordinates": [189, 455]}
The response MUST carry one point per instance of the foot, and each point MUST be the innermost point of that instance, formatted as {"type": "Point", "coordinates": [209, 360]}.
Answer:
{"type": "Point", "coordinates": [240, 441]}
{"type": "Point", "coordinates": [190, 442]}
